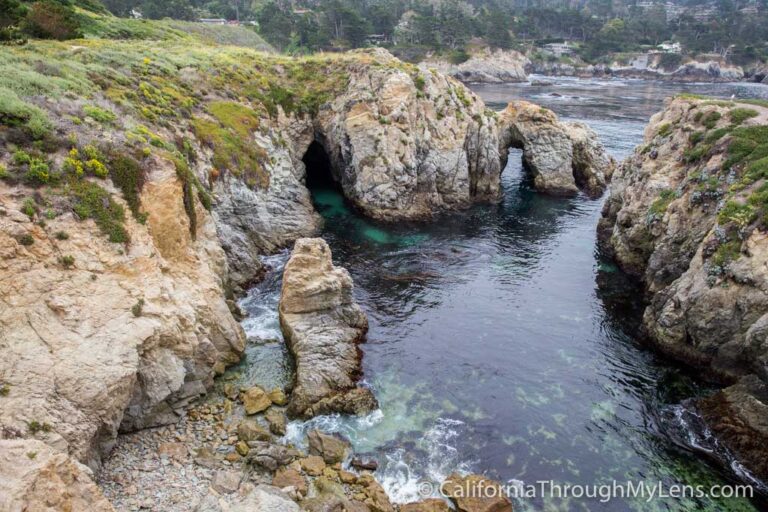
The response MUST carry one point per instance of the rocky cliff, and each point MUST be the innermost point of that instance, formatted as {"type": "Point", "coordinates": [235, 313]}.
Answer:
{"type": "Point", "coordinates": [562, 157]}
{"type": "Point", "coordinates": [484, 66]}
{"type": "Point", "coordinates": [687, 215]}
{"type": "Point", "coordinates": [645, 66]}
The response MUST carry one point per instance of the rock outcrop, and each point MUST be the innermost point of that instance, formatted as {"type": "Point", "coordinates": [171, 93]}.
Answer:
{"type": "Point", "coordinates": [686, 216]}
{"type": "Point", "coordinates": [406, 144]}
{"type": "Point", "coordinates": [322, 325]}
{"type": "Point", "coordinates": [35, 476]}
{"type": "Point", "coordinates": [644, 66]}
{"type": "Point", "coordinates": [485, 66]}
{"type": "Point", "coordinates": [562, 157]}
{"type": "Point", "coordinates": [98, 336]}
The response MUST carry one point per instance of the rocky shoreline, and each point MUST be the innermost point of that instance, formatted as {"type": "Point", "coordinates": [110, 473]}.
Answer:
{"type": "Point", "coordinates": [685, 217]}
{"type": "Point", "coordinates": [125, 245]}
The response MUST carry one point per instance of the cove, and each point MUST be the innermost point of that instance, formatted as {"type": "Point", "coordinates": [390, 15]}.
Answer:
{"type": "Point", "coordinates": [501, 341]}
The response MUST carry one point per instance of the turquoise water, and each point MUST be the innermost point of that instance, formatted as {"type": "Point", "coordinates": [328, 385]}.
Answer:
{"type": "Point", "coordinates": [501, 342]}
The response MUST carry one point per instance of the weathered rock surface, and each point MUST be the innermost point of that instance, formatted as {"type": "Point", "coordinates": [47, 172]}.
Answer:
{"type": "Point", "coordinates": [428, 505]}
{"type": "Point", "coordinates": [122, 338]}
{"type": "Point", "coordinates": [37, 477]}
{"type": "Point", "coordinates": [406, 144]}
{"type": "Point", "coordinates": [562, 157]}
{"type": "Point", "coordinates": [704, 269]}
{"type": "Point", "coordinates": [322, 325]}
{"type": "Point", "coordinates": [332, 448]}
{"type": "Point", "coordinates": [485, 66]}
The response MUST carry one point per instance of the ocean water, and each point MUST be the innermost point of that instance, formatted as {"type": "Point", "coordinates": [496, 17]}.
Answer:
{"type": "Point", "coordinates": [501, 342]}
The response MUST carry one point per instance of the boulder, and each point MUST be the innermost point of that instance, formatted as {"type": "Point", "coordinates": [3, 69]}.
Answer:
{"type": "Point", "coordinates": [277, 396]}
{"type": "Point", "coordinates": [428, 505]}
{"type": "Point", "coordinates": [264, 499]}
{"type": "Point", "coordinates": [270, 456]}
{"type": "Point", "coordinates": [277, 421]}
{"type": "Point", "coordinates": [226, 481]}
{"type": "Point", "coordinates": [255, 400]}
{"type": "Point", "coordinates": [375, 497]}
{"type": "Point", "coordinates": [248, 430]}
{"type": "Point", "coordinates": [323, 326]}
{"type": "Point", "coordinates": [313, 465]}
{"type": "Point", "coordinates": [331, 447]}
{"type": "Point", "coordinates": [476, 493]}
{"type": "Point", "coordinates": [563, 158]}
{"type": "Point", "coordinates": [287, 477]}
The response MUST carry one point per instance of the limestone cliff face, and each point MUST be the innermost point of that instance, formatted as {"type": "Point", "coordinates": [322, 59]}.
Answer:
{"type": "Point", "coordinates": [686, 215]}
{"type": "Point", "coordinates": [322, 325]}
{"type": "Point", "coordinates": [407, 144]}
{"type": "Point", "coordinates": [562, 157]}
{"type": "Point", "coordinates": [99, 336]}
{"type": "Point", "coordinates": [485, 66]}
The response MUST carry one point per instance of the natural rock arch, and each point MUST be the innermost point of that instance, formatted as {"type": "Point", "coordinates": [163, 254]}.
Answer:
{"type": "Point", "coordinates": [562, 158]}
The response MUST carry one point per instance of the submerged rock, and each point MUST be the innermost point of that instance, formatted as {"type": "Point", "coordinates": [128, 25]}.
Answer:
{"type": "Point", "coordinates": [322, 325]}
{"type": "Point", "coordinates": [562, 157]}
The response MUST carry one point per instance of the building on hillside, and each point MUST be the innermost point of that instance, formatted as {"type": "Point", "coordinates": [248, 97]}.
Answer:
{"type": "Point", "coordinates": [558, 49]}
{"type": "Point", "coordinates": [668, 47]}
{"type": "Point", "coordinates": [377, 39]}
{"type": "Point", "coordinates": [213, 21]}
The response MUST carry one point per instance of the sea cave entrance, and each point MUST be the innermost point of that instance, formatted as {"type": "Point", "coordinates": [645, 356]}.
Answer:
{"type": "Point", "coordinates": [318, 168]}
{"type": "Point", "coordinates": [327, 194]}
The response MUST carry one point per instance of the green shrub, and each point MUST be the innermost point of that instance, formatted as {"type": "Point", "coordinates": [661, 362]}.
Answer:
{"type": "Point", "coordinates": [3, 172]}
{"type": "Point", "coordinates": [138, 308]}
{"type": "Point", "coordinates": [739, 115]}
{"type": "Point", "coordinates": [49, 19]}
{"type": "Point", "coordinates": [35, 426]}
{"type": "Point", "coordinates": [711, 119]}
{"type": "Point", "coordinates": [26, 239]}
{"type": "Point", "coordinates": [419, 82]}
{"type": "Point", "coordinates": [5, 390]}
{"type": "Point", "coordinates": [128, 175]}
{"type": "Point", "coordinates": [29, 207]}
{"type": "Point", "coordinates": [726, 253]}
{"type": "Point", "coordinates": [39, 173]}
{"type": "Point", "coordinates": [716, 135]}
{"type": "Point", "coordinates": [664, 130]}
{"type": "Point", "coordinates": [660, 205]}
{"type": "Point", "coordinates": [738, 213]}
{"type": "Point", "coordinates": [17, 113]}
{"type": "Point", "coordinates": [696, 137]}
{"type": "Point", "coordinates": [61, 235]}
{"type": "Point", "coordinates": [67, 261]}
{"type": "Point", "coordinates": [21, 157]}
{"type": "Point", "coordinates": [99, 114]}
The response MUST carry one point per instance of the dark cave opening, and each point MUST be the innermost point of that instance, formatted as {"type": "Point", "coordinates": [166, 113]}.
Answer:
{"type": "Point", "coordinates": [319, 175]}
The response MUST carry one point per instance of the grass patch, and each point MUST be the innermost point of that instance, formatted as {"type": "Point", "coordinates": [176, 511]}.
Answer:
{"type": "Point", "coordinates": [739, 115]}
{"type": "Point", "coordinates": [660, 205]}
{"type": "Point", "coordinates": [710, 120]}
